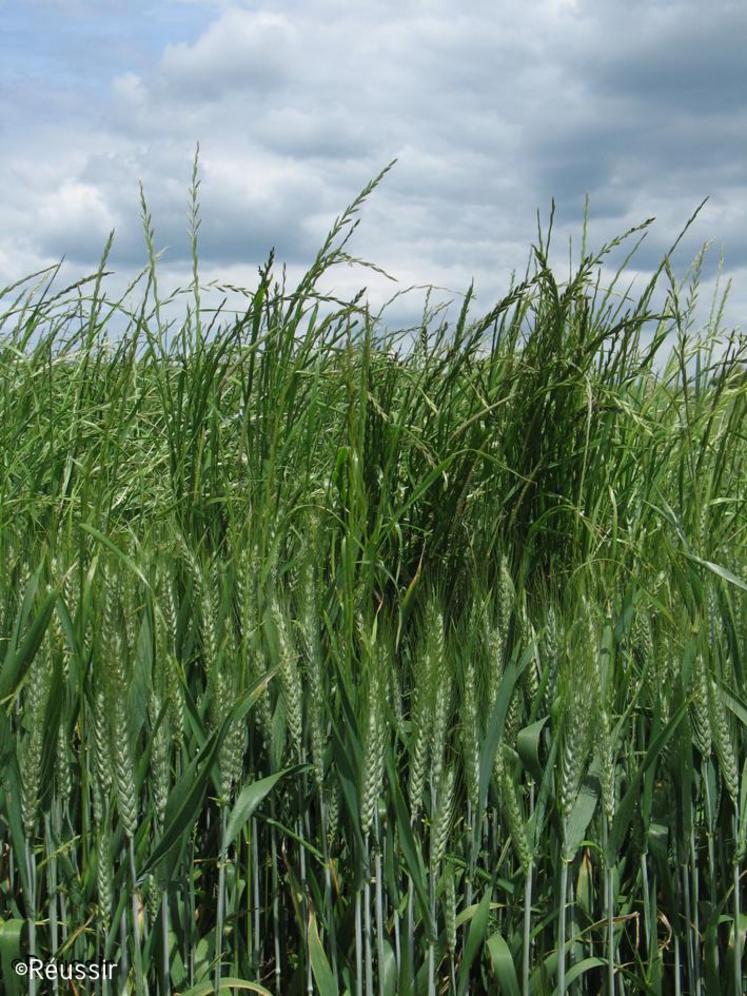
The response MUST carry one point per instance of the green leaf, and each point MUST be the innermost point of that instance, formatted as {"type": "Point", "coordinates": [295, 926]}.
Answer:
{"type": "Point", "coordinates": [580, 969]}
{"type": "Point", "coordinates": [10, 950]}
{"type": "Point", "coordinates": [495, 726]}
{"type": "Point", "coordinates": [185, 801]}
{"type": "Point", "coordinates": [465, 915]}
{"type": "Point", "coordinates": [736, 706]}
{"type": "Point", "coordinates": [582, 812]}
{"type": "Point", "coordinates": [536, 821]}
{"type": "Point", "coordinates": [625, 809]}
{"type": "Point", "coordinates": [18, 658]}
{"type": "Point", "coordinates": [119, 554]}
{"type": "Point", "coordinates": [527, 747]}
{"type": "Point", "coordinates": [226, 985]}
{"type": "Point", "coordinates": [721, 572]}
{"type": "Point", "coordinates": [250, 798]}
{"type": "Point", "coordinates": [503, 965]}
{"type": "Point", "coordinates": [323, 974]}
{"type": "Point", "coordinates": [51, 722]}
{"type": "Point", "coordinates": [11, 793]}
{"type": "Point", "coordinates": [389, 971]}
{"type": "Point", "coordinates": [408, 846]}
{"type": "Point", "coordinates": [252, 696]}
{"type": "Point", "coordinates": [475, 938]}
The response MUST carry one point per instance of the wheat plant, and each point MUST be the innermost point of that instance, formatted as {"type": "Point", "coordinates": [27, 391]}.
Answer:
{"type": "Point", "coordinates": [338, 659]}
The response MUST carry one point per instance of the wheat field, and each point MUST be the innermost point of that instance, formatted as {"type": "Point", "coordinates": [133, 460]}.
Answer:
{"type": "Point", "coordinates": [343, 660]}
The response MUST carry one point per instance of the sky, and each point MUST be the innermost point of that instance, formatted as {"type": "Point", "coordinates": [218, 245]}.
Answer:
{"type": "Point", "coordinates": [492, 109]}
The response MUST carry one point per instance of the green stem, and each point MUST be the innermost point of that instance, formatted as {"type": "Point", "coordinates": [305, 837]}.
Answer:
{"type": "Point", "coordinates": [53, 924]}
{"type": "Point", "coordinates": [142, 984]}
{"type": "Point", "coordinates": [737, 916]}
{"type": "Point", "coordinates": [304, 899]}
{"type": "Point", "coordinates": [221, 898]}
{"type": "Point", "coordinates": [472, 837]}
{"type": "Point", "coordinates": [256, 946]}
{"type": "Point", "coordinates": [124, 961]}
{"type": "Point", "coordinates": [432, 940]}
{"type": "Point", "coordinates": [358, 945]}
{"type": "Point", "coordinates": [691, 970]}
{"type": "Point", "coordinates": [694, 917]}
{"type": "Point", "coordinates": [276, 909]}
{"type": "Point", "coordinates": [165, 972]}
{"type": "Point", "coordinates": [709, 837]}
{"type": "Point", "coordinates": [379, 907]}
{"type": "Point", "coordinates": [646, 905]}
{"type": "Point", "coordinates": [328, 887]}
{"type": "Point", "coordinates": [367, 922]}
{"type": "Point", "coordinates": [561, 926]}
{"type": "Point", "coordinates": [527, 939]}
{"type": "Point", "coordinates": [31, 869]}
{"type": "Point", "coordinates": [609, 902]}
{"type": "Point", "coordinates": [411, 924]}
{"type": "Point", "coordinates": [610, 932]}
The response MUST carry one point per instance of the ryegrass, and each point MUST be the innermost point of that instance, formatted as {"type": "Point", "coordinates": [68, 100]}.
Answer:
{"type": "Point", "coordinates": [344, 660]}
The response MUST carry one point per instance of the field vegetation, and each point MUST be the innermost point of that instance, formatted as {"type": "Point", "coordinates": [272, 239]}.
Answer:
{"type": "Point", "coordinates": [336, 659]}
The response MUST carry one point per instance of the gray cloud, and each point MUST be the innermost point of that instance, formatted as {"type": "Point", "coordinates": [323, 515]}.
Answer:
{"type": "Point", "coordinates": [492, 111]}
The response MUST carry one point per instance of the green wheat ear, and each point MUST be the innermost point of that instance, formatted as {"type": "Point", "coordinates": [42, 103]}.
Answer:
{"type": "Point", "coordinates": [550, 656]}
{"type": "Point", "coordinates": [122, 752]}
{"type": "Point", "coordinates": [419, 728]}
{"type": "Point", "coordinates": [512, 812]}
{"type": "Point", "coordinates": [440, 689]}
{"type": "Point", "coordinates": [289, 678]}
{"type": "Point", "coordinates": [577, 690]}
{"type": "Point", "coordinates": [374, 736]}
{"type": "Point", "coordinates": [722, 739]}
{"type": "Point", "coordinates": [471, 734]}
{"type": "Point", "coordinates": [699, 717]}
{"type": "Point", "coordinates": [32, 744]}
{"type": "Point", "coordinates": [442, 818]}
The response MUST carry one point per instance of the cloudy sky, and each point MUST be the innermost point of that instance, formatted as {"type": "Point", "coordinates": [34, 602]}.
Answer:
{"type": "Point", "coordinates": [491, 108]}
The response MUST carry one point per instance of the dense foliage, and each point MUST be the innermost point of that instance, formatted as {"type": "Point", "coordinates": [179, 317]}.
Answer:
{"type": "Point", "coordinates": [334, 659]}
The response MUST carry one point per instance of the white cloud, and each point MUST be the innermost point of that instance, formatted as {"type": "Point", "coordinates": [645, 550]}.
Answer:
{"type": "Point", "coordinates": [76, 210]}
{"type": "Point", "coordinates": [241, 48]}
